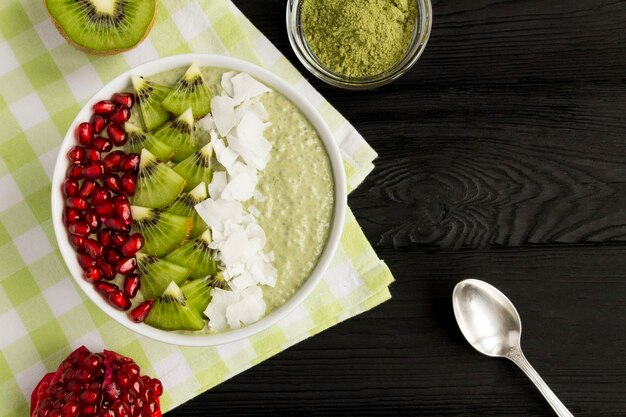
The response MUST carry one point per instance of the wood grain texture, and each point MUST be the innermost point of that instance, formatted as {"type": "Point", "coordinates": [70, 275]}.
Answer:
{"type": "Point", "coordinates": [503, 158]}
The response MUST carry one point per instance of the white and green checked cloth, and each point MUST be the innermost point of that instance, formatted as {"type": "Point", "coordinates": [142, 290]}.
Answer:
{"type": "Point", "coordinates": [43, 315]}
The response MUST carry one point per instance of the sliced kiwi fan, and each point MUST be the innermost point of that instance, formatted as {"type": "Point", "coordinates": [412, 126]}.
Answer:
{"type": "Point", "coordinates": [157, 184]}
{"type": "Point", "coordinates": [161, 231]}
{"type": "Point", "coordinates": [179, 133]}
{"type": "Point", "coordinates": [185, 206]}
{"type": "Point", "coordinates": [172, 312]}
{"type": "Point", "coordinates": [190, 91]}
{"type": "Point", "coordinates": [157, 273]}
{"type": "Point", "coordinates": [195, 255]}
{"type": "Point", "coordinates": [139, 139]}
{"type": "Point", "coordinates": [198, 293]}
{"type": "Point", "coordinates": [149, 96]}
{"type": "Point", "coordinates": [196, 168]}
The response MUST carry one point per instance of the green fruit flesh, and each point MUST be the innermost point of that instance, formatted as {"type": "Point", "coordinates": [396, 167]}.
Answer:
{"type": "Point", "coordinates": [171, 312]}
{"type": "Point", "coordinates": [157, 273]}
{"type": "Point", "coordinates": [139, 139]}
{"type": "Point", "coordinates": [217, 280]}
{"type": "Point", "coordinates": [180, 134]}
{"type": "Point", "coordinates": [149, 96]}
{"type": "Point", "coordinates": [190, 91]}
{"type": "Point", "coordinates": [161, 231]}
{"type": "Point", "coordinates": [157, 184]}
{"type": "Point", "coordinates": [195, 255]}
{"type": "Point", "coordinates": [185, 206]}
{"type": "Point", "coordinates": [196, 168]}
{"type": "Point", "coordinates": [198, 293]}
{"type": "Point", "coordinates": [104, 26]}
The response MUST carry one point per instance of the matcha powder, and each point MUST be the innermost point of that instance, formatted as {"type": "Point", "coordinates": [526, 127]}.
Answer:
{"type": "Point", "coordinates": [358, 38]}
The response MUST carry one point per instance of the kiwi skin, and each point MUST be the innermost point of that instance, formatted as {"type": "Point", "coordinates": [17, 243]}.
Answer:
{"type": "Point", "coordinates": [98, 51]}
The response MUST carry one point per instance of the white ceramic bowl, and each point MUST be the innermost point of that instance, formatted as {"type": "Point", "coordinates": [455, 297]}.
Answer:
{"type": "Point", "coordinates": [123, 81]}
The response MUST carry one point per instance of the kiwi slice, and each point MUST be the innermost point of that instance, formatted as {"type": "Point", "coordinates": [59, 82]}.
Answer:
{"type": "Point", "coordinates": [195, 255]}
{"type": "Point", "coordinates": [198, 293]}
{"type": "Point", "coordinates": [185, 206]}
{"type": "Point", "coordinates": [196, 168]}
{"type": "Point", "coordinates": [171, 311]}
{"type": "Point", "coordinates": [139, 139]}
{"type": "Point", "coordinates": [157, 273]}
{"type": "Point", "coordinates": [157, 184]}
{"type": "Point", "coordinates": [180, 134]}
{"type": "Point", "coordinates": [103, 27]}
{"type": "Point", "coordinates": [218, 281]}
{"type": "Point", "coordinates": [149, 96]}
{"type": "Point", "coordinates": [190, 91]}
{"type": "Point", "coordinates": [161, 231]}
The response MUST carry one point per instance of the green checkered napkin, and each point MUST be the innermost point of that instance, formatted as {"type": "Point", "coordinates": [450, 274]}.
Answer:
{"type": "Point", "coordinates": [43, 316]}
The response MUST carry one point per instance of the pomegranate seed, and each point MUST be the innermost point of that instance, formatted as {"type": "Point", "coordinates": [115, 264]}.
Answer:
{"type": "Point", "coordinates": [123, 380]}
{"type": "Point", "coordinates": [117, 224]}
{"type": "Point", "coordinates": [104, 107]}
{"type": "Point", "coordinates": [92, 219]}
{"type": "Point", "coordinates": [119, 300]}
{"type": "Point", "coordinates": [93, 274]}
{"type": "Point", "coordinates": [86, 261]}
{"type": "Point", "coordinates": [98, 122]}
{"type": "Point", "coordinates": [119, 239]}
{"type": "Point", "coordinates": [132, 283]}
{"type": "Point", "coordinates": [130, 163]}
{"type": "Point", "coordinates": [70, 409]}
{"type": "Point", "coordinates": [156, 386]}
{"type": "Point", "coordinates": [122, 209]}
{"type": "Point", "coordinates": [94, 248]}
{"type": "Point", "coordinates": [113, 160]}
{"type": "Point", "coordinates": [104, 237]}
{"type": "Point", "coordinates": [71, 216]}
{"type": "Point", "coordinates": [126, 265]}
{"type": "Point", "coordinates": [75, 171]}
{"type": "Point", "coordinates": [89, 410]}
{"type": "Point", "coordinates": [77, 241]}
{"type": "Point", "coordinates": [112, 182]}
{"type": "Point", "coordinates": [139, 313]}
{"type": "Point", "coordinates": [104, 210]}
{"type": "Point", "coordinates": [80, 229]}
{"type": "Point", "coordinates": [93, 170]}
{"type": "Point", "coordinates": [92, 154]}
{"type": "Point", "coordinates": [87, 189]}
{"type": "Point", "coordinates": [76, 154]}
{"type": "Point", "coordinates": [102, 144]}
{"type": "Point", "coordinates": [129, 183]}
{"type": "Point", "coordinates": [123, 99]}
{"type": "Point", "coordinates": [105, 288]}
{"type": "Point", "coordinates": [133, 244]}
{"type": "Point", "coordinates": [85, 133]}
{"type": "Point", "coordinates": [70, 187]}
{"type": "Point", "coordinates": [133, 369]}
{"type": "Point", "coordinates": [121, 115]}
{"type": "Point", "coordinates": [116, 134]}
{"type": "Point", "coordinates": [100, 196]}
{"type": "Point", "coordinates": [90, 396]}
{"type": "Point", "coordinates": [113, 256]}
{"type": "Point", "coordinates": [108, 272]}
{"type": "Point", "coordinates": [77, 203]}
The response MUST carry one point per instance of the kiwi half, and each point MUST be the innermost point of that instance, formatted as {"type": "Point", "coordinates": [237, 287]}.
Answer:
{"type": "Point", "coordinates": [157, 273]}
{"type": "Point", "coordinates": [198, 293]}
{"type": "Point", "coordinates": [196, 168]}
{"type": "Point", "coordinates": [157, 184]}
{"type": "Point", "coordinates": [149, 96]}
{"type": "Point", "coordinates": [103, 27]}
{"type": "Point", "coordinates": [161, 231]}
{"type": "Point", "coordinates": [171, 312]}
{"type": "Point", "coordinates": [190, 91]}
{"type": "Point", "coordinates": [139, 139]}
{"type": "Point", "coordinates": [195, 255]}
{"type": "Point", "coordinates": [180, 134]}
{"type": "Point", "coordinates": [185, 206]}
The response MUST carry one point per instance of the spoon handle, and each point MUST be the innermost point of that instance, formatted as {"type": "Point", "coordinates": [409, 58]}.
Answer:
{"type": "Point", "coordinates": [520, 360]}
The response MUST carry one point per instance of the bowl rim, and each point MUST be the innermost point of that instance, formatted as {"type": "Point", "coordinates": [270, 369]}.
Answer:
{"type": "Point", "coordinates": [273, 81]}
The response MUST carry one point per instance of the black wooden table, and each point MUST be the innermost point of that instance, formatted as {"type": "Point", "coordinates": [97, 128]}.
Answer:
{"type": "Point", "coordinates": [502, 157]}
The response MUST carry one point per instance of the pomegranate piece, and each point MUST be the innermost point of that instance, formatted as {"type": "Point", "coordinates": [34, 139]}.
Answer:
{"type": "Point", "coordinates": [113, 256]}
{"type": "Point", "coordinates": [92, 220]}
{"type": "Point", "coordinates": [126, 266]}
{"type": "Point", "coordinates": [133, 244]}
{"type": "Point", "coordinates": [116, 134]}
{"type": "Point", "coordinates": [71, 187]}
{"type": "Point", "coordinates": [122, 208]}
{"type": "Point", "coordinates": [129, 183]}
{"type": "Point", "coordinates": [87, 189]}
{"type": "Point", "coordinates": [93, 170]}
{"type": "Point", "coordinates": [98, 122]}
{"type": "Point", "coordinates": [119, 239]}
{"type": "Point", "coordinates": [132, 283]}
{"type": "Point", "coordinates": [85, 384]}
{"type": "Point", "coordinates": [139, 314]}
{"type": "Point", "coordinates": [113, 182]}
{"type": "Point", "coordinates": [104, 210]}
{"type": "Point", "coordinates": [117, 224]}
{"type": "Point", "coordinates": [77, 241]}
{"type": "Point", "coordinates": [75, 171]}
{"type": "Point", "coordinates": [108, 272]}
{"type": "Point", "coordinates": [77, 203]}
{"type": "Point", "coordinates": [100, 196]}
{"type": "Point", "coordinates": [130, 163]}
{"type": "Point", "coordinates": [113, 160]}
{"type": "Point", "coordinates": [86, 261]}
{"type": "Point", "coordinates": [124, 99]}
{"type": "Point", "coordinates": [104, 107]}
{"type": "Point", "coordinates": [79, 228]}
{"type": "Point", "coordinates": [76, 154]}
{"type": "Point", "coordinates": [93, 274]}
{"type": "Point", "coordinates": [102, 144]}
{"type": "Point", "coordinates": [120, 116]}
{"type": "Point", "coordinates": [119, 300]}
{"type": "Point", "coordinates": [71, 216]}
{"type": "Point", "coordinates": [104, 237]}
{"type": "Point", "coordinates": [85, 133]}
{"type": "Point", "coordinates": [94, 248]}
{"type": "Point", "coordinates": [92, 154]}
{"type": "Point", "coordinates": [105, 288]}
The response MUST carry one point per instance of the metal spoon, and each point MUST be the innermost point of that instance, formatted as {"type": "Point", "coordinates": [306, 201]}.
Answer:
{"type": "Point", "coordinates": [491, 324]}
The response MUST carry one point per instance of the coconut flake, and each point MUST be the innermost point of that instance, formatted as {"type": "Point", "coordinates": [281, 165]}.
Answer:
{"type": "Point", "coordinates": [255, 107]}
{"type": "Point", "coordinates": [245, 87]}
{"type": "Point", "coordinates": [227, 83]}
{"type": "Point", "coordinates": [217, 185]}
{"type": "Point", "coordinates": [207, 123]}
{"type": "Point", "coordinates": [249, 309]}
{"type": "Point", "coordinates": [223, 110]}
{"type": "Point", "coordinates": [216, 310]}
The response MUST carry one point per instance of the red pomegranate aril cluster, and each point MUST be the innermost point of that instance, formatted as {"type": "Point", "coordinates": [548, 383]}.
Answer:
{"type": "Point", "coordinates": [97, 210]}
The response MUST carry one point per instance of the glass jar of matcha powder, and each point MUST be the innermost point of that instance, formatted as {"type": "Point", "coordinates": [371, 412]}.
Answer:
{"type": "Point", "coordinates": [358, 43]}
